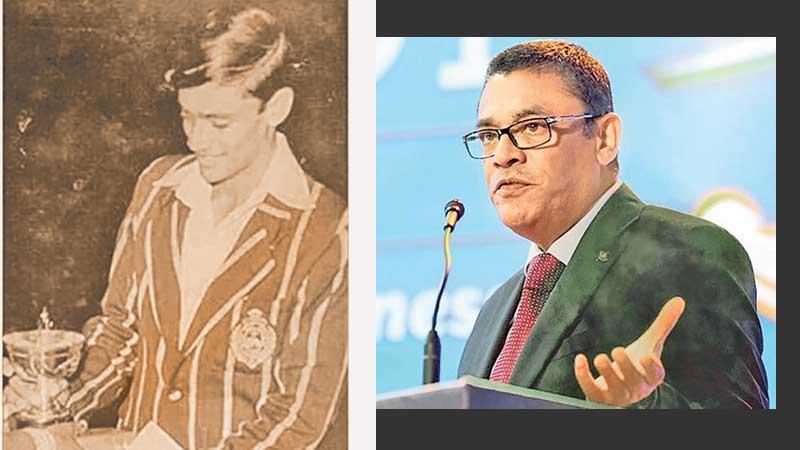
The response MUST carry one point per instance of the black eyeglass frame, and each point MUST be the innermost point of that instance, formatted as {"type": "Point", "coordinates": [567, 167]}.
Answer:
{"type": "Point", "coordinates": [549, 120]}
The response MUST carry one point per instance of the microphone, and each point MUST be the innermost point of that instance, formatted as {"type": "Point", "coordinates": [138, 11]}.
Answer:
{"type": "Point", "coordinates": [453, 211]}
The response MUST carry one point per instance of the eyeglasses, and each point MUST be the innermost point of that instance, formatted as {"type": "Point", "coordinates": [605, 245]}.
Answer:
{"type": "Point", "coordinates": [525, 134]}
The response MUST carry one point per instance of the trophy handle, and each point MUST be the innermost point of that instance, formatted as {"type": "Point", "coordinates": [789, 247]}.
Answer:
{"type": "Point", "coordinates": [8, 368]}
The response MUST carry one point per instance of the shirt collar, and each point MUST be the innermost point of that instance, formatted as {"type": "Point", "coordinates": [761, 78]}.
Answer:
{"type": "Point", "coordinates": [284, 179]}
{"type": "Point", "coordinates": [564, 247]}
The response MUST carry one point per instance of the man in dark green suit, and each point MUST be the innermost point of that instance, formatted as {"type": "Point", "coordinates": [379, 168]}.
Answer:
{"type": "Point", "coordinates": [627, 275]}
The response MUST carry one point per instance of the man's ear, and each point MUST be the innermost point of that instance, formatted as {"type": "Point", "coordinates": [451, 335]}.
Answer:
{"type": "Point", "coordinates": [278, 107]}
{"type": "Point", "coordinates": [609, 131]}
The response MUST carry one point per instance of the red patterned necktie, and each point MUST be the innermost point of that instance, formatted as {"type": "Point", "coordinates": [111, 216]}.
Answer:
{"type": "Point", "coordinates": [543, 272]}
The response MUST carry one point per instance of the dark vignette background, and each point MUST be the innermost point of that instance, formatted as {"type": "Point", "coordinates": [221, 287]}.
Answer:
{"type": "Point", "coordinates": [83, 115]}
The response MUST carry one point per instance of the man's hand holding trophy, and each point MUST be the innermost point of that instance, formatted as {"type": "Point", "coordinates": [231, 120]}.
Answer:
{"type": "Point", "coordinates": [39, 365]}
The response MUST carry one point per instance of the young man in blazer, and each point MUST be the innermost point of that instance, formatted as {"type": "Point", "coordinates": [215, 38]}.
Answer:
{"type": "Point", "coordinates": [621, 303]}
{"type": "Point", "coordinates": [225, 317]}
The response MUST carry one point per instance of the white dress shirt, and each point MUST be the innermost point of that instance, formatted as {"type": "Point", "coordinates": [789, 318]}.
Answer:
{"type": "Point", "coordinates": [206, 245]}
{"type": "Point", "coordinates": [565, 245]}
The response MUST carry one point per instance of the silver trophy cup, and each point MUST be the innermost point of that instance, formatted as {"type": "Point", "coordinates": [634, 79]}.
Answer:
{"type": "Point", "coordinates": [44, 358]}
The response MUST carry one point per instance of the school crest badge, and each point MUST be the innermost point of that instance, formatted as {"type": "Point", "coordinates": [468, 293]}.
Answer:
{"type": "Point", "coordinates": [253, 339]}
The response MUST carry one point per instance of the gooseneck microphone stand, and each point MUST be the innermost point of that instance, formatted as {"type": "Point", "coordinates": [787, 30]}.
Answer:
{"type": "Point", "coordinates": [433, 348]}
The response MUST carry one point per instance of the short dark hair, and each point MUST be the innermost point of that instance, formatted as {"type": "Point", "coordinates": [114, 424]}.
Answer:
{"type": "Point", "coordinates": [583, 75]}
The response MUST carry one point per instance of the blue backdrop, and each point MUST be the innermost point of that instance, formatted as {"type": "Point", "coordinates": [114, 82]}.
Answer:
{"type": "Point", "coordinates": [698, 136]}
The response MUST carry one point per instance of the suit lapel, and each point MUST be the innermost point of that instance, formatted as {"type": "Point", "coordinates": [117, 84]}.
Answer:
{"type": "Point", "coordinates": [253, 251]}
{"type": "Point", "coordinates": [595, 254]}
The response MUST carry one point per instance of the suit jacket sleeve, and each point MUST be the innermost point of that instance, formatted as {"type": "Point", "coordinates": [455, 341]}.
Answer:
{"type": "Point", "coordinates": [713, 357]}
{"type": "Point", "coordinates": [111, 338]}
{"type": "Point", "coordinates": [311, 364]}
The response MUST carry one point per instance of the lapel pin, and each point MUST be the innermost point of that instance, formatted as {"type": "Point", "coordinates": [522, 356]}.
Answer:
{"type": "Point", "coordinates": [602, 256]}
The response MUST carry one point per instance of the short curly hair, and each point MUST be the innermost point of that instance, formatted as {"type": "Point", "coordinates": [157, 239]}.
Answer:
{"type": "Point", "coordinates": [583, 75]}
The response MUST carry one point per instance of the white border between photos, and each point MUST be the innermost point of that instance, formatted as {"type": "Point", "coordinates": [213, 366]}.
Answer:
{"type": "Point", "coordinates": [361, 203]}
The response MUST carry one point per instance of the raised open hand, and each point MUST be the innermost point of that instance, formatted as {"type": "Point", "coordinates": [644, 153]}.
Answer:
{"type": "Point", "coordinates": [636, 370]}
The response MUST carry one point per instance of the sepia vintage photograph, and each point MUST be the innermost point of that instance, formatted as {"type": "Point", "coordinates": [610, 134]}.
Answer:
{"type": "Point", "coordinates": [175, 224]}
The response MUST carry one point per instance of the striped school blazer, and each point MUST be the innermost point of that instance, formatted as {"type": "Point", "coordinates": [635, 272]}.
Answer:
{"type": "Point", "coordinates": [264, 362]}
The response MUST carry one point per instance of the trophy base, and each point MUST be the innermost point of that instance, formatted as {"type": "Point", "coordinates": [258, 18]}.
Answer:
{"type": "Point", "coordinates": [41, 420]}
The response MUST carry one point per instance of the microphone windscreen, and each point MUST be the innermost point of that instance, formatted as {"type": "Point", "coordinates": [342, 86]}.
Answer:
{"type": "Point", "coordinates": [454, 205]}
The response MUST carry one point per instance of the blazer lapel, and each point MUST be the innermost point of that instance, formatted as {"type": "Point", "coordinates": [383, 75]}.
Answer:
{"type": "Point", "coordinates": [595, 254]}
{"type": "Point", "coordinates": [164, 243]}
{"type": "Point", "coordinates": [247, 263]}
